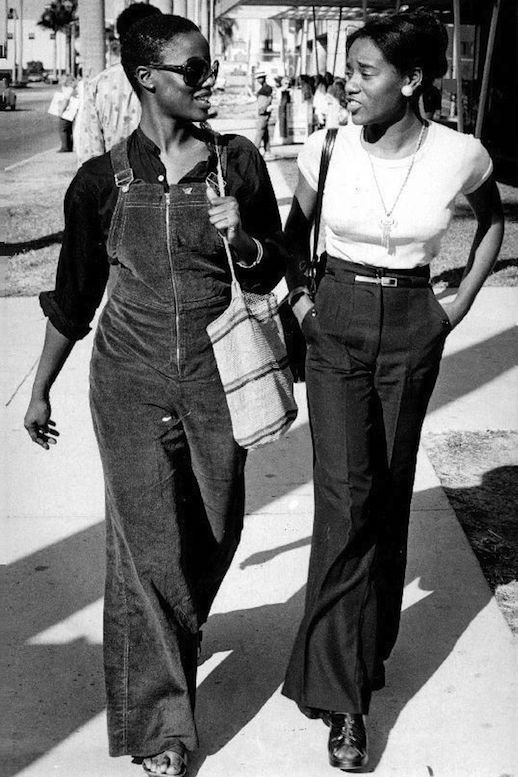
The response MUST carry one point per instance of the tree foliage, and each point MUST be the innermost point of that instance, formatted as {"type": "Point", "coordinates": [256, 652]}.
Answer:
{"type": "Point", "coordinates": [58, 15]}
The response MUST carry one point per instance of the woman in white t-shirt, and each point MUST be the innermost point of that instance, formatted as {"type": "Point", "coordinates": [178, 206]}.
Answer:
{"type": "Point", "coordinates": [375, 335]}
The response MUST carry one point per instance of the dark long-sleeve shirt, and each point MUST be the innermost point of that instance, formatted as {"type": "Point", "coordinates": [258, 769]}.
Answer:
{"type": "Point", "coordinates": [90, 200]}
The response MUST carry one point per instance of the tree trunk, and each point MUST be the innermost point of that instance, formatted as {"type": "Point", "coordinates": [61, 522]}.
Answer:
{"type": "Point", "coordinates": [91, 24]}
{"type": "Point", "coordinates": [55, 56]}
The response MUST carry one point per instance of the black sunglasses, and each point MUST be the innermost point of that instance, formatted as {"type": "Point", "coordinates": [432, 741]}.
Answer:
{"type": "Point", "coordinates": [195, 71]}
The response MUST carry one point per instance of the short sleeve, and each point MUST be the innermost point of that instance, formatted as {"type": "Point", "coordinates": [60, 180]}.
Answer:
{"type": "Point", "coordinates": [309, 157]}
{"type": "Point", "coordinates": [477, 165]}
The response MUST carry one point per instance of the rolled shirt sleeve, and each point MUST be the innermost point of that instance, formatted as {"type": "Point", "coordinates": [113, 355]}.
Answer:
{"type": "Point", "coordinates": [83, 265]}
{"type": "Point", "coordinates": [259, 214]}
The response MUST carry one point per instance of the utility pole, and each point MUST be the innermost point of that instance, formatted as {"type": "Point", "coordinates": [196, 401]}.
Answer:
{"type": "Point", "coordinates": [14, 16]}
{"type": "Point", "coordinates": [20, 44]}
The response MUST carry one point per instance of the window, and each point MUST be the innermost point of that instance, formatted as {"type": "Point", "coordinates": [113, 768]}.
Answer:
{"type": "Point", "coordinates": [31, 36]}
{"type": "Point", "coordinates": [52, 35]}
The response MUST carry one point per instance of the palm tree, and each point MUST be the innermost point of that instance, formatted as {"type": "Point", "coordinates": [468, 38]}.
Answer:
{"type": "Point", "coordinates": [58, 16]}
{"type": "Point", "coordinates": [91, 18]}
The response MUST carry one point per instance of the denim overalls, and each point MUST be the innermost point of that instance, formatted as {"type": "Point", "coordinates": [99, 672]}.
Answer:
{"type": "Point", "coordinates": [174, 475]}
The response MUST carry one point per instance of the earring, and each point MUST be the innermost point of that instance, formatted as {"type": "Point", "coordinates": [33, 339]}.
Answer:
{"type": "Point", "coordinates": [407, 90]}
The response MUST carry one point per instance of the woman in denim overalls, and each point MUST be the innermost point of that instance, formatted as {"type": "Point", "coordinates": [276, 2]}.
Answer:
{"type": "Point", "coordinates": [173, 472]}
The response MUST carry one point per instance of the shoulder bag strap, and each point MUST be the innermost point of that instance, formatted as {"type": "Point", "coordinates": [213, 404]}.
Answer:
{"type": "Point", "coordinates": [327, 150]}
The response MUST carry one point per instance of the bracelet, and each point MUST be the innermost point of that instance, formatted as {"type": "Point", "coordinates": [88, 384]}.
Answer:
{"type": "Point", "coordinates": [260, 254]}
{"type": "Point", "coordinates": [295, 294]}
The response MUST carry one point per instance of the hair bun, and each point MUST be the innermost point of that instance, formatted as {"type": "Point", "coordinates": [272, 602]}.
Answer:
{"type": "Point", "coordinates": [433, 39]}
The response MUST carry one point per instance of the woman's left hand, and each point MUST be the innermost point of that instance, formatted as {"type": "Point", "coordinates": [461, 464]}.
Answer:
{"type": "Point", "coordinates": [453, 312]}
{"type": "Point", "coordinates": [224, 215]}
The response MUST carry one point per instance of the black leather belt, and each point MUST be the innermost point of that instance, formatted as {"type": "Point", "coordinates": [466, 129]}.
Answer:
{"type": "Point", "coordinates": [391, 281]}
{"type": "Point", "coordinates": [379, 276]}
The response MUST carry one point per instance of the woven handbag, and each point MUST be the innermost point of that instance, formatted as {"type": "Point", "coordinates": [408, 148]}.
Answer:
{"type": "Point", "coordinates": [250, 352]}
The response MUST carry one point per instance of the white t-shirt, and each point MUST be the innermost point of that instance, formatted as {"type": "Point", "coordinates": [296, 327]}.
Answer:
{"type": "Point", "coordinates": [448, 163]}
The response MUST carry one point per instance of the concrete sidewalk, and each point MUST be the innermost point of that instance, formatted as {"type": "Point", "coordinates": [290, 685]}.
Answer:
{"type": "Point", "coordinates": [450, 707]}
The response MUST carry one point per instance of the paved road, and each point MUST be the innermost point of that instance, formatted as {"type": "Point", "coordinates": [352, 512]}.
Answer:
{"type": "Point", "coordinates": [29, 129]}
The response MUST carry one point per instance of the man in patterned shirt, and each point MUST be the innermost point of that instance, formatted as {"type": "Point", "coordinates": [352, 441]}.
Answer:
{"type": "Point", "coordinates": [110, 109]}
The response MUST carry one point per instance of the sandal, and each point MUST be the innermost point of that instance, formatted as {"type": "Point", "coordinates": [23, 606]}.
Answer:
{"type": "Point", "coordinates": [171, 759]}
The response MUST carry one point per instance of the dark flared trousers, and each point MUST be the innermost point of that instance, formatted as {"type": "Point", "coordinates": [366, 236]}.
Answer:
{"type": "Point", "coordinates": [370, 372]}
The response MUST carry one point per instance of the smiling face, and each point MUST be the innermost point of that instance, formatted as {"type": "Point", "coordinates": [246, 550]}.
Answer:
{"type": "Point", "coordinates": [373, 86]}
{"type": "Point", "coordinates": [171, 94]}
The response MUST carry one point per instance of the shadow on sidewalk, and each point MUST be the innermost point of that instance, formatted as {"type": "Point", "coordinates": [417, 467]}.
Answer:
{"type": "Point", "coordinates": [261, 638]}
{"type": "Point", "coordinates": [10, 249]}
{"type": "Point", "coordinates": [56, 688]}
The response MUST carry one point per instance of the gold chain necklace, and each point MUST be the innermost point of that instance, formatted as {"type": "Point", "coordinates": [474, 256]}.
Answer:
{"type": "Point", "coordinates": [388, 221]}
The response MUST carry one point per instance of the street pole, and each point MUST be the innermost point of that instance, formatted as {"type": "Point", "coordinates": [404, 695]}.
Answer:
{"type": "Point", "coordinates": [457, 64]}
{"type": "Point", "coordinates": [20, 46]}
{"type": "Point", "coordinates": [15, 36]}
{"type": "Point", "coordinates": [487, 70]}
{"type": "Point", "coordinates": [211, 27]}
{"type": "Point", "coordinates": [337, 39]}
{"type": "Point", "coordinates": [315, 38]}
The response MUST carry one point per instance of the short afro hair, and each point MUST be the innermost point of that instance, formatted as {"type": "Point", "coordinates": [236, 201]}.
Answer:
{"type": "Point", "coordinates": [145, 41]}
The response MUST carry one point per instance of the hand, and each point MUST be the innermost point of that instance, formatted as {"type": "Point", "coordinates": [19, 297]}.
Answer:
{"type": "Point", "coordinates": [310, 326]}
{"type": "Point", "coordinates": [453, 312]}
{"type": "Point", "coordinates": [224, 215]}
{"type": "Point", "coordinates": [39, 425]}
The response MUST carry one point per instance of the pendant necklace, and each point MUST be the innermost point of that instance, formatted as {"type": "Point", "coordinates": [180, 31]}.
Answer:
{"type": "Point", "coordinates": [388, 221]}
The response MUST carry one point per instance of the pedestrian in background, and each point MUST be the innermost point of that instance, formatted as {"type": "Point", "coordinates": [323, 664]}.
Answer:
{"type": "Point", "coordinates": [109, 109]}
{"type": "Point", "coordinates": [7, 95]}
{"type": "Point", "coordinates": [284, 116]}
{"type": "Point", "coordinates": [307, 90]}
{"type": "Point", "coordinates": [264, 96]}
{"type": "Point", "coordinates": [320, 102]}
{"type": "Point", "coordinates": [173, 472]}
{"type": "Point", "coordinates": [375, 335]}
{"type": "Point", "coordinates": [337, 113]}
{"type": "Point", "coordinates": [64, 106]}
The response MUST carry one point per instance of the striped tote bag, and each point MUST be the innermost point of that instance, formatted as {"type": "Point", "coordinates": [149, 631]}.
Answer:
{"type": "Point", "coordinates": [250, 352]}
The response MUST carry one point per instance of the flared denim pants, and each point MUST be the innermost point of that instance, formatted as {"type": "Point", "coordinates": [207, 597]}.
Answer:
{"type": "Point", "coordinates": [174, 476]}
{"type": "Point", "coordinates": [369, 373]}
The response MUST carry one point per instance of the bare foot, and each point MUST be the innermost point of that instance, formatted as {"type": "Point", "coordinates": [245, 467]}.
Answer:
{"type": "Point", "coordinates": [168, 762]}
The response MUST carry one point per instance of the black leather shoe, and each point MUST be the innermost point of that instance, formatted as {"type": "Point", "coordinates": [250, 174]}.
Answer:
{"type": "Point", "coordinates": [347, 745]}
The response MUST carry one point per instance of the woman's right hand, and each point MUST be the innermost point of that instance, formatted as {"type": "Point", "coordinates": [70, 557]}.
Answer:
{"type": "Point", "coordinates": [310, 326]}
{"type": "Point", "coordinates": [39, 424]}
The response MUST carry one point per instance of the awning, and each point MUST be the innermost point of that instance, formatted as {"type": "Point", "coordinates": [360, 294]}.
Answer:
{"type": "Point", "coordinates": [353, 9]}
{"type": "Point", "coordinates": [454, 12]}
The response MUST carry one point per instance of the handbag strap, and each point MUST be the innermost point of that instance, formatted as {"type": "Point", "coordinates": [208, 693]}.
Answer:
{"type": "Point", "coordinates": [327, 150]}
{"type": "Point", "coordinates": [236, 288]}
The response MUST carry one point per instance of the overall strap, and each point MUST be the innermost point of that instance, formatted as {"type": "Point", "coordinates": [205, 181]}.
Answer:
{"type": "Point", "coordinates": [121, 166]}
{"type": "Point", "coordinates": [327, 150]}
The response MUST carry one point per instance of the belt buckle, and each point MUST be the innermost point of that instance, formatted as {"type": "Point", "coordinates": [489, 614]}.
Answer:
{"type": "Point", "coordinates": [367, 279]}
{"type": "Point", "coordinates": [387, 281]}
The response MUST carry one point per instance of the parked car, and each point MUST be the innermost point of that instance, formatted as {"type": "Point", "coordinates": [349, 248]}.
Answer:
{"type": "Point", "coordinates": [7, 96]}
{"type": "Point", "coordinates": [34, 78]}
